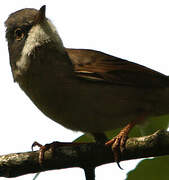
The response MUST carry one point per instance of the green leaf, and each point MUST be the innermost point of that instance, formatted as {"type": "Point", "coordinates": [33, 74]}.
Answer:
{"type": "Point", "coordinates": [84, 138]}
{"type": "Point", "coordinates": [155, 123]}
{"type": "Point", "coordinates": [155, 169]}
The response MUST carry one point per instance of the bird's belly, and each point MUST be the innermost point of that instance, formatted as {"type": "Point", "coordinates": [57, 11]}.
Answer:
{"type": "Point", "coordinates": [92, 111]}
{"type": "Point", "coordinates": [90, 108]}
{"type": "Point", "coordinates": [107, 109]}
{"type": "Point", "coordinates": [92, 122]}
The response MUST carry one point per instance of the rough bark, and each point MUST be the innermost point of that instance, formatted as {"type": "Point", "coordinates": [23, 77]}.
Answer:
{"type": "Point", "coordinates": [86, 156]}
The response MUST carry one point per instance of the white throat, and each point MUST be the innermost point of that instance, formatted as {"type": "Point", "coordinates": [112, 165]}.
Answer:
{"type": "Point", "coordinates": [38, 35]}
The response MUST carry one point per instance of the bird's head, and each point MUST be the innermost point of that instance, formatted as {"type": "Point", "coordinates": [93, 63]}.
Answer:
{"type": "Point", "coordinates": [27, 30]}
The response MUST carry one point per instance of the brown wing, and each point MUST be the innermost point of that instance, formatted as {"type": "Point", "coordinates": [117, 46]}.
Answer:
{"type": "Point", "coordinates": [98, 66]}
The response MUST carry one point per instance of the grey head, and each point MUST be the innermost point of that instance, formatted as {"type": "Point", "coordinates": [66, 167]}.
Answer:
{"type": "Point", "coordinates": [26, 30]}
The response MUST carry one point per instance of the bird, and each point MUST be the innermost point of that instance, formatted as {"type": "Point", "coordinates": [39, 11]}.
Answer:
{"type": "Point", "coordinates": [81, 89]}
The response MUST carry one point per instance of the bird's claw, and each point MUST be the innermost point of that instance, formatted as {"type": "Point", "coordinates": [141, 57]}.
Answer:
{"type": "Point", "coordinates": [36, 144]}
{"type": "Point", "coordinates": [42, 150]}
{"type": "Point", "coordinates": [118, 146]}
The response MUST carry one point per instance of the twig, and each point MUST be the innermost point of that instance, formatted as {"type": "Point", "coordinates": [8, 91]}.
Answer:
{"type": "Point", "coordinates": [89, 173]}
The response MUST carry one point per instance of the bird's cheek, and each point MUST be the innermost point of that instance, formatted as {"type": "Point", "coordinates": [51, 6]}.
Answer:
{"type": "Point", "coordinates": [15, 51]}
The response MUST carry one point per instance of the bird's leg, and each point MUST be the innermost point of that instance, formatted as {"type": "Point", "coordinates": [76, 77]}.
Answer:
{"type": "Point", "coordinates": [100, 138]}
{"type": "Point", "coordinates": [118, 142]}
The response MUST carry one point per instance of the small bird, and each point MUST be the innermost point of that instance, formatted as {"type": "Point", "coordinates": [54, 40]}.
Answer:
{"type": "Point", "coordinates": [83, 90]}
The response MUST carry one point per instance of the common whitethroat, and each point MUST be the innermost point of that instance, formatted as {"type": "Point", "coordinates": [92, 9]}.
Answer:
{"type": "Point", "coordinates": [83, 90]}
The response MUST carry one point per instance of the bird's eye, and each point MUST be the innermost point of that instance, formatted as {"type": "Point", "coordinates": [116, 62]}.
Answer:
{"type": "Point", "coordinates": [19, 34]}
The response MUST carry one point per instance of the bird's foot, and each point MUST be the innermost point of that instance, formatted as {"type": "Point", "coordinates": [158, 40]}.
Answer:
{"type": "Point", "coordinates": [44, 148]}
{"type": "Point", "coordinates": [118, 146]}
{"type": "Point", "coordinates": [118, 142]}
{"type": "Point", "coordinates": [53, 146]}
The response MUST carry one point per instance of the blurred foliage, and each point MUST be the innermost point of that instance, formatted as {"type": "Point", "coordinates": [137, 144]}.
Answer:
{"type": "Point", "coordinates": [151, 169]}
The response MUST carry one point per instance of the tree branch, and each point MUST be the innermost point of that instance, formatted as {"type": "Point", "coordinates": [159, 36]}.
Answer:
{"type": "Point", "coordinates": [83, 155]}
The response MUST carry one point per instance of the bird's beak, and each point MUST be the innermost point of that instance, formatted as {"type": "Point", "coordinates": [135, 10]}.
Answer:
{"type": "Point", "coordinates": [41, 15]}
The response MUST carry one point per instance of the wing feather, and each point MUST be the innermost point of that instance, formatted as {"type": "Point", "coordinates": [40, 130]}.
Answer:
{"type": "Point", "coordinates": [101, 67]}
